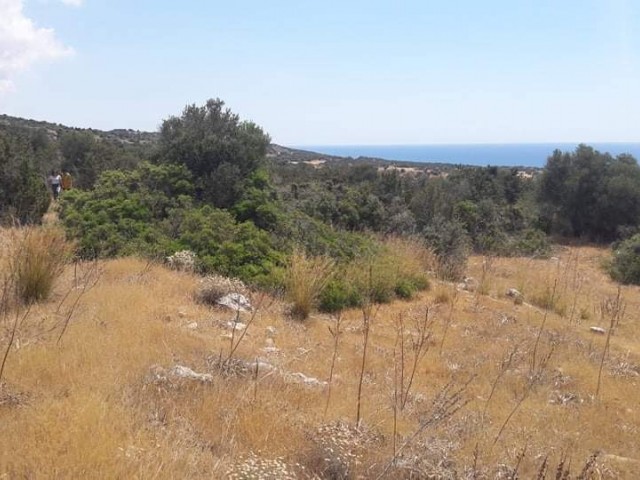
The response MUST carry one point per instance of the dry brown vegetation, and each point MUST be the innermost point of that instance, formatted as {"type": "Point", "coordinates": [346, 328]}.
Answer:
{"type": "Point", "coordinates": [105, 400]}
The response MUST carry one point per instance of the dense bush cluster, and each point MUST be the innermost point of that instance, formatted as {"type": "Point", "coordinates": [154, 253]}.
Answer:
{"type": "Point", "coordinates": [24, 197]}
{"type": "Point", "coordinates": [625, 264]}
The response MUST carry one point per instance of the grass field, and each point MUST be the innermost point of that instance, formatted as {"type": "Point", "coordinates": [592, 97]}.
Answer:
{"type": "Point", "coordinates": [454, 384]}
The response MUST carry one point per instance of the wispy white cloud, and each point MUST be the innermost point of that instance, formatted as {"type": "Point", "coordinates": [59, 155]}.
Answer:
{"type": "Point", "coordinates": [73, 3]}
{"type": "Point", "coordinates": [23, 43]}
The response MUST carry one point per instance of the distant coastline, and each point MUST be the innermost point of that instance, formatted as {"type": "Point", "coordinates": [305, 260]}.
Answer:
{"type": "Point", "coordinates": [516, 154]}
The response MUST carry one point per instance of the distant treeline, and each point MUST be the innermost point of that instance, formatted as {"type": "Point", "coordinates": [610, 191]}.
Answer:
{"type": "Point", "coordinates": [205, 183]}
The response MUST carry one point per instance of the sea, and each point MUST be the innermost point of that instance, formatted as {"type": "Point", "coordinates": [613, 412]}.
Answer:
{"type": "Point", "coordinates": [511, 154]}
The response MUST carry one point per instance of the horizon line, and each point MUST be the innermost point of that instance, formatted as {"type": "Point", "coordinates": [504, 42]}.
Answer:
{"type": "Point", "coordinates": [457, 144]}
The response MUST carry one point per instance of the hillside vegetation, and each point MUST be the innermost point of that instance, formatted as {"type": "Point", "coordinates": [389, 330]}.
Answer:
{"type": "Point", "coordinates": [213, 184]}
{"type": "Point", "coordinates": [203, 304]}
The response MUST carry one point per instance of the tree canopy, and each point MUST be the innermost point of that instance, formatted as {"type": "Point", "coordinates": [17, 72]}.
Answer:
{"type": "Point", "coordinates": [590, 194]}
{"type": "Point", "coordinates": [216, 146]}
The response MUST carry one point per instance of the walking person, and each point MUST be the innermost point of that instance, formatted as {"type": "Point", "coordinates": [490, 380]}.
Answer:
{"type": "Point", "coordinates": [54, 180]}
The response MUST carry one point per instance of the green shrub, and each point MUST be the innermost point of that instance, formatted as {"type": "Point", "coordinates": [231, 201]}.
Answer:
{"type": "Point", "coordinates": [339, 295]}
{"type": "Point", "coordinates": [149, 211]}
{"type": "Point", "coordinates": [625, 264]}
{"type": "Point", "coordinates": [531, 242]}
{"type": "Point", "coordinates": [405, 289]}
{"type": "Point", "coordinates": [451, 244]}
{"type": "Point", "coordinates": [420, 282]}
{"type": "Point", "coordinates": [407, 286]}
{"type": "Point", "coordinates": [382, 291]}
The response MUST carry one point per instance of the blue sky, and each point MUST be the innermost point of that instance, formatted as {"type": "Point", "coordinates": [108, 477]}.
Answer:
{"type": "Point", "coordinates": [333, 72]}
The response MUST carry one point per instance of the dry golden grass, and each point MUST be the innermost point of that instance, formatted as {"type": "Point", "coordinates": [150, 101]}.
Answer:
{"type": "Point", "coordinates": [94, 405]}
{"type": "Point", "coordinates": [400, 260]}
{"type": "Point", "coordinates": [305, 279]}
{"type": "Point", "coordinates": [34, 259]}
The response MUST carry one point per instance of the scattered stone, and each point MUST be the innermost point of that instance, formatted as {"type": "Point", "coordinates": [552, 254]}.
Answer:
{"type": "Point", "coordinates": [454, 367]}
{"type": "Point", "coordinates": [236, 367]}
{"type": "Point", "coordinates": [506, 319]}
{"type": "Point", "coordinates": [271, 331]}
{"type": "Point", "coordinates": [517, 296]}
{"type": "Point", "coordinates": [236, 302]}
{"type": "Point", "coordinates": [262, 365]}
{"type": "Point", "coordinates": [302, 378]}
{"type": "Point", "coordinates": [598, 330]}
{"type": "Point", "coordinates": [237, 326]}
{"type": "Point", "coordinates": [469, 284]}
{"type": "Point", "coordinates": [271, 347]}
{"type": "Point", "coordinates": [160, 375]}
{"type": "Point", "coordinates": [181, 314]}
{"type": "Point", "coordinates": [514, 293]}
{"type": "Point", "coordinates": [185, 372]}
{"type": "Point", "coordinates": [564, 398]}
{"type": "Point", "coordinates": [191, 326]}
{"type": "Point", "coordinates": [214, 288]}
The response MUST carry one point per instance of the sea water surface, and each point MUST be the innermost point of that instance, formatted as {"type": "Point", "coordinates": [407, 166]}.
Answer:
{"type": "Point", "coordinates": [512, 154]}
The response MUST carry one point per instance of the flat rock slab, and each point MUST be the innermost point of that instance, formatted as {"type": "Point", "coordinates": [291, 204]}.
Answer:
{"type": "Point", "coordinates": [236, 302]}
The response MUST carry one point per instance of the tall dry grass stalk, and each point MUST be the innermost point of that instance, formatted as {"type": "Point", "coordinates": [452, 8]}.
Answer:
{"type": "Point", "coordinates": [36, 258]}
{"type": "Point", "coordinates": [614, 309]}
{"type": "Point", "coordinates": [484, 282]}
{"type": "Point", "coordinates": [452, 301]}
{"type": "Point", "coordinates": [18, 318]}
{"type": "Point", "coordinates": [367, 318]}
{"type": "Point", "coordinates": [505, 366]}
{"type": "Point", "coordinates": [306, 277]}
{"type": "Point", "coordinates": [419, 338]}
{"type": "Point", "coordinates": [235, 343]}
{"type": "Point", "coordinates": [446, 404]}
{"type": "Point", "coordinates": [336, 332]}
{"type": "Point", "coordinates": [368, 314]}
{"type": "Point", "coordinates": [542, 325]}
{"type": "Point", "coordinates": [537, 372]}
